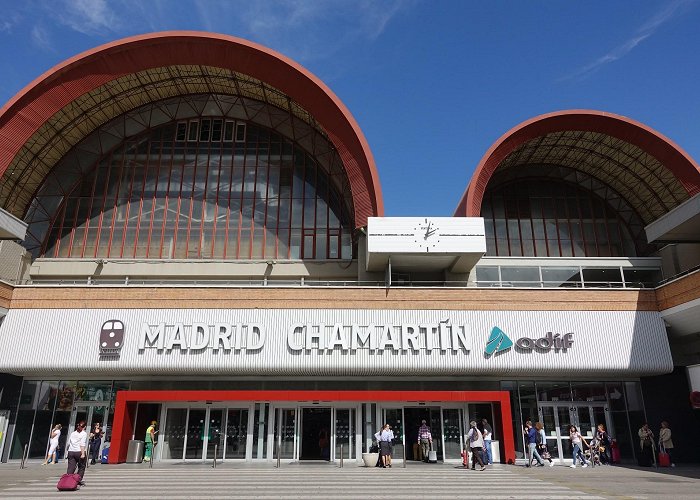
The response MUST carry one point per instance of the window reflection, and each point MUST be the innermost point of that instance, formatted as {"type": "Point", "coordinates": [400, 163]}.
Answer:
{"type": "Point", "coordinates": [199, 188]}
{"type": "Point", "coordinates": [551, 218]}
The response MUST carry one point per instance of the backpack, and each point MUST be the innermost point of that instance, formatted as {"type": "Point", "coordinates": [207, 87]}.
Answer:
{"type": "Point", "coordinates": [476, 433]}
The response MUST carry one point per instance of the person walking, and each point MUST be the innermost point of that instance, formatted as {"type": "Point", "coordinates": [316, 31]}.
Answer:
{"type": "Point", "coordinates": [531, 439]}
{"type": "Point", "coordinates": [95, 443]}
{"type": "Point", "coordinates": [541, 441]}
{"type": "Point", "coordinates": [150, 441]}
{"type": "Point", "coordinates": [425, 440]}
{"type": "Point", "coordinates": [385, 438]}
{"type": "Point", "coordinates": [603, 441]}
{"type": "Point", "coordinates": [77, 445]}
{"type": "Point", "coordinates": [475, 441]}
{"type": "Point", "coordinates": [488, 435]}
{"type": "Point", "coordinates": [646, 444]}
{"type": "Point", "coordinates": [51, 456]}
{"type": "Point", "coordinates": [577, 451]}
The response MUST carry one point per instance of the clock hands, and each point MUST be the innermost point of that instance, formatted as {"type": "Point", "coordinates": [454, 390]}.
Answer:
{"type": "Point", "coordinates": [429, 232]}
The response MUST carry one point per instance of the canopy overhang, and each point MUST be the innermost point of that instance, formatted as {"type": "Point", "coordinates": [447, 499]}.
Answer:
{"type": "Point", "coordinates": [680, 225]}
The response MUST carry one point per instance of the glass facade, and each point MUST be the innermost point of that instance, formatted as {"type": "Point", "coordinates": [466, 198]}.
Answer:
{"type": "Point", "coordinates": [44, 404]}
{"type": "Point", "coordinates": [196, 431]}
{"type": "Point", "coordinates": [205, 184]}
{"type": "Point", "coordinates": [552, 218]}
{"type": "Point", "coordinates": [566, 276]}
{"type": "Point", "coordinates": [617, 405]}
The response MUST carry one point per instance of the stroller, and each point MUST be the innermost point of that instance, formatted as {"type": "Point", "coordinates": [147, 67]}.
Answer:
{"type": "Point", "coordinates": [593, 452]}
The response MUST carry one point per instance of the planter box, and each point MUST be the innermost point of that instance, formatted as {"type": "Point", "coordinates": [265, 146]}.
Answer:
{"type": "Point", "coordinates": [370, 459]}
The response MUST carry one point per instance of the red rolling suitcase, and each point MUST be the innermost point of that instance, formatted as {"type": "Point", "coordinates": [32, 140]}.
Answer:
{"type": "Point", "coordinates": [68, 482]}
{"type": "Point", "coordinates": [615, 452]}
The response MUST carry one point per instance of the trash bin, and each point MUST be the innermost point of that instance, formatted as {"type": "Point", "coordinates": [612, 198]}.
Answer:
{"type": "Point", "coordinates": [134, 453]}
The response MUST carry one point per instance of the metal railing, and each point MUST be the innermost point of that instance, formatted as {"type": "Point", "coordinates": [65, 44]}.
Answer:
{"type": "Point", "coordinates": [564, 284]}
{"type": "Point", "coordinates": [679, 275]}
{"type": "Point", "coordinates": [25, 454]}
{"type": "Point", "coordinates": [334, 283]}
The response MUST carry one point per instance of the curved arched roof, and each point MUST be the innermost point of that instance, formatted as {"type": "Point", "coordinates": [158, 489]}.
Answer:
{"type": "Point", "coordinates": [61, 107]}
{"type": "Point", "coordinates": [650, 171]}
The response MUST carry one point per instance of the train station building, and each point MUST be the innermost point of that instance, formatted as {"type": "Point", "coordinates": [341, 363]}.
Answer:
{"type": "Point", "coordinates": [193, 232]}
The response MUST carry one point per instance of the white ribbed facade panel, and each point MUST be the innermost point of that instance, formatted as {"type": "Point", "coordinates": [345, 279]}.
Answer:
{"type": "Point", "coordinates": [52, 342]}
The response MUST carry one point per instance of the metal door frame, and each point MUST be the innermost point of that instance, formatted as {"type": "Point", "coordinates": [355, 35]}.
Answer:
{"type": "Point", "coordinates": [90, 406]}
{"type": "Point", "coordinates": [249, 433]}
{"type": "Point", "coordinates": [463, 416]}
{"type": "Point", "coordinates": [276, 426]}
{"type": "Point", "coordinates": [352, 438]}
{"type": "Point", "coordinates": [574, 408]}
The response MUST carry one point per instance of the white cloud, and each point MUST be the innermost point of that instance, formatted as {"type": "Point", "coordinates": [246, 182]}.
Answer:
{"type": "Point", "coordinates": [642, 33]}
{"type": "Point", "coordinates": [90, 17]}
{"type": "Point", "coordinates": [302, 29]}
{"type": "Point", "coordinates": [40, 38]}
{"type": "Point", "coordinates": [8, 22]}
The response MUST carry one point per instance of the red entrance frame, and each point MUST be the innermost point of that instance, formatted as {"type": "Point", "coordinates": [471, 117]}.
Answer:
{"type": "Point", "coordinates": [125, 409]}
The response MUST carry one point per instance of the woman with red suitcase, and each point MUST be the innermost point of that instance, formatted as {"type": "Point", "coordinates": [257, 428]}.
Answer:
{"type": "Point", "coordinates": [665, 446]}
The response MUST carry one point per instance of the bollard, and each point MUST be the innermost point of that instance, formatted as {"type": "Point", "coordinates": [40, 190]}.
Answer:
{"type": "Point", "coordinates": [341, 456]}
{"type": "Point", "coordinates": [216, 451]}
{"type": "Point", "coordinates": [278, 455]}
{"type": "Point", "coordinates": [404, 455]}
{"type": "Point", "coordinates": [24, 456]}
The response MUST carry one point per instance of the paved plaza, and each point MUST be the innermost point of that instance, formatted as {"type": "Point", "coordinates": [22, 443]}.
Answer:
{"type": "Point", "coordinates": [317, 481]}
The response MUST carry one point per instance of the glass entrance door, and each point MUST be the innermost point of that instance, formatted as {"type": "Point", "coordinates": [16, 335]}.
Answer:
{"type": "Point", "coordinates": [91, 413]}
{"type": "Point", "coordinates": [344, 433]}
{"type": "Point", "coordinates": [214, 436]}
{"type": "Point", "coordinates": [394, 417]}
{"type": "Point", "coordinates": [453, 423]}
{"type": "Point", "coordinates": [199, 433]}
{"type": "Point", "coordinates": [557, 417]}
{"type": "Point", "coordinates": [172, 439]}
{"type": "Point", "coordinates": [589, 416]}
{"type": "Point", "coordinates": [236, 433]}
{"type": "Point", "coordinates": [285, 433]}
{"type": "Point", "coordinates": [315, 433]}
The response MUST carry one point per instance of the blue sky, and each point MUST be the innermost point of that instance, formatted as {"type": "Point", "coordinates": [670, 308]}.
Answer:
{"type": "Point", "coordinates": [432, 83]}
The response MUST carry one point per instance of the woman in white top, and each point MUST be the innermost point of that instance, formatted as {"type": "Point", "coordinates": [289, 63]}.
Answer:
{"type": "Point", "coordinates": [53, 444]}
{"type": "Point", "coordinates": [576, 440]}
{"type": "Point", "coordinates": [665, 441]}
{"type": "Point", "coordinates": [385, 437]}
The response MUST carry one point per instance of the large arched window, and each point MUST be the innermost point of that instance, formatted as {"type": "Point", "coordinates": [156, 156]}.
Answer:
{"type": "Point", "coordinates": [551, 218]}
{"type": "Point", "coordinates": [205, 184]}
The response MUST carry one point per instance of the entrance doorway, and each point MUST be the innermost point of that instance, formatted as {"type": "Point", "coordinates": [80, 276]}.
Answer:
{"type": "Point", "coordinates": [297, 427]}
{"type": "Point", "coordinates": [557, 417]}
{"type": "Point", "coordinates": [315, 434]}
{"type": "Point", "coordinates": [413, 421]}
{"type": "Point", "coordinates": [204, 433]}
{"type": "Point", "coordinates": [92, 413]}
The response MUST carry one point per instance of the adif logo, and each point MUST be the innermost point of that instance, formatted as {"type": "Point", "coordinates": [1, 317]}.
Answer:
{"type": "Point", "coordinates": [111, 337]}
{"type": "Point", "coordinates": [498, 342]}
{"type": "Point", "coordinates": [550, 342]}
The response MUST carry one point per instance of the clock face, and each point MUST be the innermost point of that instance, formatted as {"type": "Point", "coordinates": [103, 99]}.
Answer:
{"type": "Point", "coordinates": [426, 235]}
